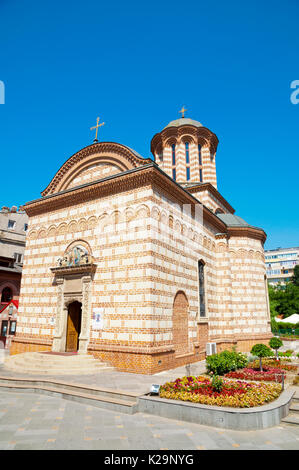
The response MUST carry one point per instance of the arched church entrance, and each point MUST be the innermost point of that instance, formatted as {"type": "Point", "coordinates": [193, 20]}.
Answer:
{"type": "Point", "coordinates": [73, 278]}
{"type": "Point", "coordinates": [73, 326]}
{"type": "Point", "coordinates": [180, 324]}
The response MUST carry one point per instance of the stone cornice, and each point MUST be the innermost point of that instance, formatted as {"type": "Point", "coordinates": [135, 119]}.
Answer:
{"type": "Point", "coordinates": [127, 157]}
{"type": "Point", "coordinates": [199, 133]}
{"type": "Point", "coordinates": [69, 270]}
{"type": "Point", "coordinates": [100, 188]}
{"type": "Point", "coordinates": [248, 231]}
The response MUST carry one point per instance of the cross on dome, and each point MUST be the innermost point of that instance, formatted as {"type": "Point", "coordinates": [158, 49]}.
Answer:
{"type": "Point", "coordinates": [182, 111]}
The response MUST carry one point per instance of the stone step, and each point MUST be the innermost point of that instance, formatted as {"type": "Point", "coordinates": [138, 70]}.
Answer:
{"type": "Point", "coordinates": [295, 406]}
{"type": "Point", "coordinates": [75, 362]}
{"type": "Point", "coordinates": [292, 418]}
{"type": "Point", "coordinates": [74, 369]}
{"type": "Point", "coordinates": [62, 384]}
{"type": "Point", "coordinates": [54, 372]}
{"type": "Point", "coordinates": [39, 363]}
{"type": "Point", "coordinates": [51, 358]}
{"type": "Point", "coordinates": [87, 397]}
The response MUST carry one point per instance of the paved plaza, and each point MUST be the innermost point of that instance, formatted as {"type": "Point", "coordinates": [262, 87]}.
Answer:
{"type": "Point", "coordinates": [31, 421]}
{"type": "Point", "coordinates": [36, 421]}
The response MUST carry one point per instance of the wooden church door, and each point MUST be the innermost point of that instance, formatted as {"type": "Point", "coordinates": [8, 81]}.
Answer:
{"type": "Point", "coordinates": [73, 327]}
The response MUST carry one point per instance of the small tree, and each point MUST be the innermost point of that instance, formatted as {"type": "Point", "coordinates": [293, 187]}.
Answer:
{"type": "Point", "coordinates": [261, 350]}
{"type": "Point", "coordinates": [275, 343]}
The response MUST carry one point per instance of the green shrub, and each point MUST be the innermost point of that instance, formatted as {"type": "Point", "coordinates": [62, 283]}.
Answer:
{"type": "Point", "coordinates": [225, 361]}
{"type": "Point", "coordinates": [287, 326]}
{"type": "Point", "coordinates": [288, 353]}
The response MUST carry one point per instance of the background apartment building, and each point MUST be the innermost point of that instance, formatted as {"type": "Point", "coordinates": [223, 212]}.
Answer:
{"type": "Point", "coordinates": [13, 228]}
{"type": "Point", "coordinates": [280, 264]}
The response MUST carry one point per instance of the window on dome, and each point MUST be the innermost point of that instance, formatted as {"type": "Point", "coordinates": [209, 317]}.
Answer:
{"type": "Point", "coordinates": [188, 173]}
{"type": "Point", "coordinates": [187, 153]}
{"type": "Point", "coordinates": [173, 154]}
{"type": "Point", "coordinates": [199, 154]}
{"type": "Point", "coordinates": [200, 175]}
{"type": "Point", "coordinates": [174, 174]}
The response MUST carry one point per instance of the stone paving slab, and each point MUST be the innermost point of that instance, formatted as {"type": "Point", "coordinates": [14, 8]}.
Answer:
{"type": "Point", "coordinates": [77, 426]}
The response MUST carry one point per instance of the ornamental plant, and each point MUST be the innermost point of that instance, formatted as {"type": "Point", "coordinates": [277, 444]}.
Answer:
{"type": "Point", "coordinates": [261, 350]}
{"type": "Point", "coordinates": [217, 383]}
{"type": "Point", "coordinates": [225, 361]}
{"type": "Point", "coordinates": [278, 364]}
{"type": "Point", "coordinates": [275, 343]}
{"type": "Point", "coordinates": [288, 353]}
{"type": "Point", "coordinates": [269, 374]}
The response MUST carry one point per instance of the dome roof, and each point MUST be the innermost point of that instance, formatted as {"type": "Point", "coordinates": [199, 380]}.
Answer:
{"type": "Point", "coordinates": [183, 122]}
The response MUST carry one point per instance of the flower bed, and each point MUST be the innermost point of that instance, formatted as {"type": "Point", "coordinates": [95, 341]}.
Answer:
{"type": "Point", "coordinates": [268, 374]}
{"type": "Point", "coordinates": [274, 364]}
{"type": "Point", "coordinates": [234, 394]}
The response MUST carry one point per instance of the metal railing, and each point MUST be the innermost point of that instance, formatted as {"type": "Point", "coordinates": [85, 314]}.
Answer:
{"type": "Point", "coordinates": [288, 332]}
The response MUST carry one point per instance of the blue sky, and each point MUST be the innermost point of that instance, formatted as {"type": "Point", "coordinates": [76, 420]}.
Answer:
{"type": "Point", "coordinates": [135, 64]}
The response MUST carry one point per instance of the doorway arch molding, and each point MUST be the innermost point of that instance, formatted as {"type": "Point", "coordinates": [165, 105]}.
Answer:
{"type": "Point", "coordinates": [64, 299]}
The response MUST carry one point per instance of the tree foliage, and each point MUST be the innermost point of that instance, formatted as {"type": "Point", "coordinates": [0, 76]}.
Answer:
{"type": "Point", "coordinates": [284, 300]}
{"type": "Point", "coordinates": [261, 350]}
{"type": "Point", "coordinates": [295, 277]}
{"type": "Point", "coordinates": [275, 343]}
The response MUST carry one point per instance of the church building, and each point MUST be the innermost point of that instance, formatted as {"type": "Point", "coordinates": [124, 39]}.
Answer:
{"type": "Point", "coordinates": [141, 262]}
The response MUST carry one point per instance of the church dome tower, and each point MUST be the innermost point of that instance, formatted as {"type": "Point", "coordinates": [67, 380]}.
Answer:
{"type": "Point", "coordinates": [186, 151]}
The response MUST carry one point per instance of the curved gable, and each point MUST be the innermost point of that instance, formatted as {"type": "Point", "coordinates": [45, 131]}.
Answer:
{"type": "Point", "coordinates": [92, 163]}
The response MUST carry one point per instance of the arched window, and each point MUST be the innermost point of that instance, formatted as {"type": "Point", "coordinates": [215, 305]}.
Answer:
{"type": "Point", "coordinates": [199, 155]}
{"type": "Point", "coordinates": [200, 163]}
{"type": "Point", "coordinates": [201, 289]}
{"type": "Point", "coordinates": [173, 154]}
{"type": "Point", "coordinates": [188, 173]}
{"type": "Point", "coordinates": [6, 294]}
{"type": "Point", "coordinates": [187, 153]}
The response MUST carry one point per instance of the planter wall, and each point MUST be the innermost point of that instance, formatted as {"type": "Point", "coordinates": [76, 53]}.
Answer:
{"type": "Point", "coordinates": [221, 417]}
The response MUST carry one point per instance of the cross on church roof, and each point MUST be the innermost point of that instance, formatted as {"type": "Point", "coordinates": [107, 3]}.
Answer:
{"type": "Point", "coordinates": [183, 110]}
{"type": "Point", "coordinates": [96, 128]}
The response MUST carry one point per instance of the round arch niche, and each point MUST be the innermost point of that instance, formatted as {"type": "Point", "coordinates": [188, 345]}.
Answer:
{"type": "Point", "coordinates": [180, 319]}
